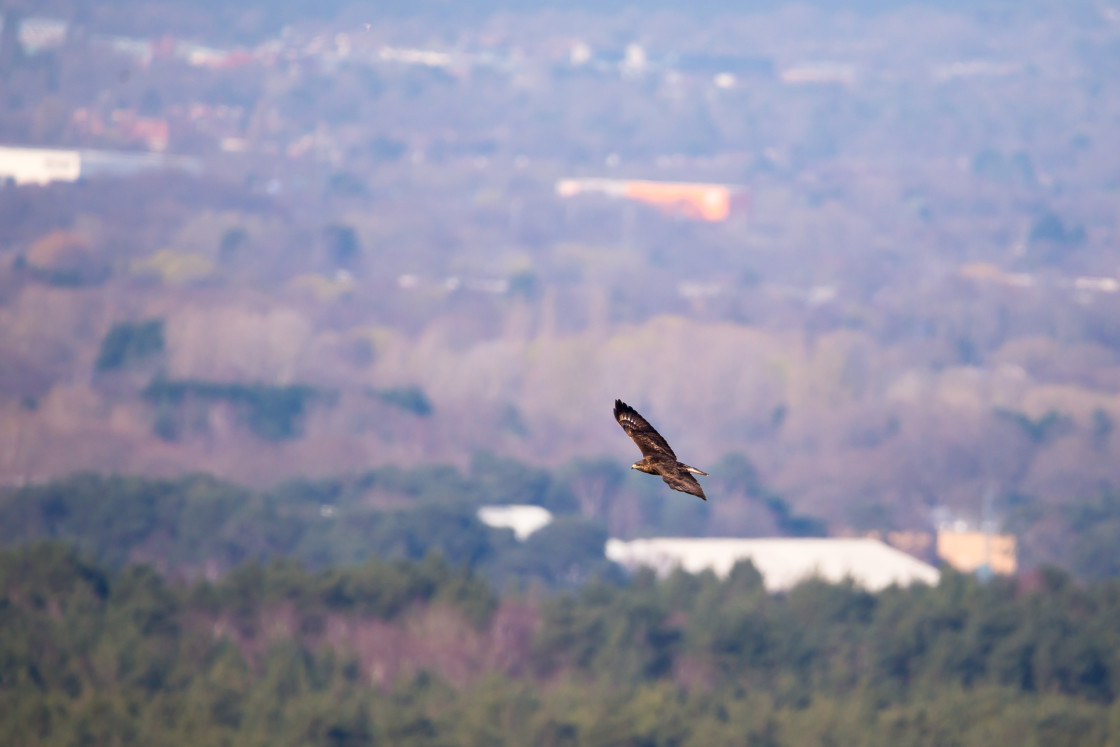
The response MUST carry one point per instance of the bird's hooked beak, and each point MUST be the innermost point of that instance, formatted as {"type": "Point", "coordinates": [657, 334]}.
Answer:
{"type": "Point", "coordinates": [634, 465]}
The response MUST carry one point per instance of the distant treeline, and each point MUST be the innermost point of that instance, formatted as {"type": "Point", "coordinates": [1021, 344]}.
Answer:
{"type": "Point", "coordinates": [198, 522]}
{"type": "Point", "coordinates": [419, 653]}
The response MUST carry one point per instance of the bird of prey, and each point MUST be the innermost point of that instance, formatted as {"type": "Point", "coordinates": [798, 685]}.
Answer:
{"type": "Point", "coordinates": [657, 457]}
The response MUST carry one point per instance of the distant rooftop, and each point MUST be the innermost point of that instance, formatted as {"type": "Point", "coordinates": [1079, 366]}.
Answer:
{"type": "Point", "coordinates": [783, 563]}
{"type": "Point", "coordinates": [523, 519]}
{"type": "Point", "coordinates": [46, 165]}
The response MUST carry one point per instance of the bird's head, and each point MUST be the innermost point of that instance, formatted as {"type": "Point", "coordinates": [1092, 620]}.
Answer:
{"type": "Point", "coordinates": [642, 466]}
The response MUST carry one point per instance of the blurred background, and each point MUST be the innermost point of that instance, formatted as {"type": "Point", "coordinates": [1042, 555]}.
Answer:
{"type": "Point", "coordinates": [864, 253]}
{"type": "Point", "coordinates": [318, 280]}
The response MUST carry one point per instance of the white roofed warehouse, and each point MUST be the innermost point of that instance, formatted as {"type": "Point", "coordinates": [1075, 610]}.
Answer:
{"type": "Point", "coordinates": [782, 562]}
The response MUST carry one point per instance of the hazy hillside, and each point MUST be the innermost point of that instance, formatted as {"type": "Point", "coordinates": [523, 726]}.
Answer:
{"type": "Point", "coordinates": [366, 261]}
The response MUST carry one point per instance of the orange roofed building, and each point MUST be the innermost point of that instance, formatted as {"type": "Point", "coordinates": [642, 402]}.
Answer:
{"type": "Point", "coordinates": [699, 201]}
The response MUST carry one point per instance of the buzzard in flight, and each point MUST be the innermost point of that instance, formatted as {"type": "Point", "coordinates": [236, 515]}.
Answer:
{"type": "Point", "coordinates": [657, 457]}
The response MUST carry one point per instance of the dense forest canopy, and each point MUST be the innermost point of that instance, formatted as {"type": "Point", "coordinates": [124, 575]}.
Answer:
{"type": "Point", "coordinates": [276, 654]}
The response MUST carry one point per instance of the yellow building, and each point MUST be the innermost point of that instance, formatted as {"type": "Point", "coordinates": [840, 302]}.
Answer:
{"type": "Point", "coordinates": [969, 551]}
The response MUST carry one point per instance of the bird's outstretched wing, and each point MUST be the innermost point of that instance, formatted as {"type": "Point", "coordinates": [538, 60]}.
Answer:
{"type": "Point", "coordinates": [643, 434]}
{"type": "Point", "coordinates": [684, 482]}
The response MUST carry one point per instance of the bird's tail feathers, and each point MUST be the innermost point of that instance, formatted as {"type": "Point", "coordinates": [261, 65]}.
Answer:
{"type": "Point", "coordinates": [694, 471]}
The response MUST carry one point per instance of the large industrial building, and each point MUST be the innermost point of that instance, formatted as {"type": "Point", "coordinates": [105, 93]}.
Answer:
{"type": "Point", "coordinates": [783, 562]}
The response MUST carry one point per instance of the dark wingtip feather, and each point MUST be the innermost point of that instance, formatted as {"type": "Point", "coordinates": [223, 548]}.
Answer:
{"type": "Point", "coordinates": [620, 407]}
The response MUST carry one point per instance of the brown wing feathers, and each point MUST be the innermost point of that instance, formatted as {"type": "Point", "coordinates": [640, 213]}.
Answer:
{"type": "Point", "coordinates": [684, 482]}
{"type": "Point", "coordinates": [651, 443]}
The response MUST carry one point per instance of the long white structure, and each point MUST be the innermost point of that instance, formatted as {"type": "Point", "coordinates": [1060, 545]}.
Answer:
{"type": "Point", "coordinates": [46, 165]}
{"type": "Point", "coordinates": [783, 563]}
{"type": "Point", "coordinates": [39, 165]}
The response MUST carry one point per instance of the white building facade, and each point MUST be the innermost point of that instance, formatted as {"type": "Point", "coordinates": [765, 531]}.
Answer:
{"type": "Point", "coordinates": [39, 165]}
{"type": "Point", "coordinates": [782, 562]}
